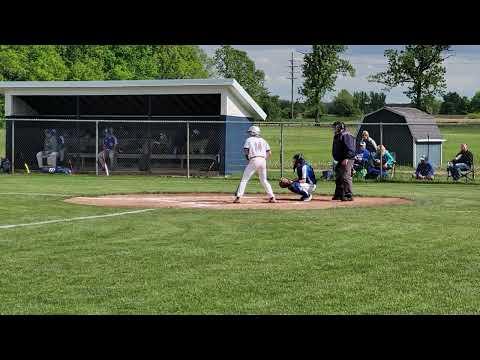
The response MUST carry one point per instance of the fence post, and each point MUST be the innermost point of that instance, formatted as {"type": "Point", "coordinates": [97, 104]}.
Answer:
{"type": "Point", "coordinates": [281, 149]}
{"type": "Point", "coordinates": [188, 150]}
{"type": "Point", "coordinates": [13, 146]}
{"type": "Point", "coordinates": [96, 148]}
{"type": "Point", "coordinates": [381, 155]}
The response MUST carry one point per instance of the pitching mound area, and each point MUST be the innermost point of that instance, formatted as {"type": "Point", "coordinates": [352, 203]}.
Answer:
{"type": "Point", "coordinates": [225, 201]}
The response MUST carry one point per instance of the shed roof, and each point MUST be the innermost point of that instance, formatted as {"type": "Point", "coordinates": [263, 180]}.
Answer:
{"type": "Point", "coordinates": [421, 124]}
{"type": "Point", "coordinates": [231, 84]}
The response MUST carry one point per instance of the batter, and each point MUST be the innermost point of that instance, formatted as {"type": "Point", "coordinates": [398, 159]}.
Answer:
{"type": "Point", "coordinates": [257, 151]}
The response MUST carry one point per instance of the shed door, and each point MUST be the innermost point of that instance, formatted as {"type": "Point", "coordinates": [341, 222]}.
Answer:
{"type": "Point", "coordinates": [432, 150]}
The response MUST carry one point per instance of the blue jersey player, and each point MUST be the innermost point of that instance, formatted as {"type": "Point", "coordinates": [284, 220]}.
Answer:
{"type": "Point", "coordinates": [110, 143]}
{"type": "Point", "coordinates": [305, 183]}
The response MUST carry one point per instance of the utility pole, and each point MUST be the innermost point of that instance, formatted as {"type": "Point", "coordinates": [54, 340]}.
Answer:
{"type": "Point", "coordinates": [292, 77]}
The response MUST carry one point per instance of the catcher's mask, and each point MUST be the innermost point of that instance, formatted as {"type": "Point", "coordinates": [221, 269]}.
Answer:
{"type": "Point", "coordinates": [338, 126]}
{"type": "Point", "coordinates": [108, 131]}
{"type": "Point", "coordinates": [298, 158]}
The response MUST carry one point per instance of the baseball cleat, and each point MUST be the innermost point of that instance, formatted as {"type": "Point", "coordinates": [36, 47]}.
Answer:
{"type": "Point", "coordinates": [272, 200]}
{"type": "Point", "coordinates": [308, 198]}
{"type": "Point", "coordinates": [237, 200]}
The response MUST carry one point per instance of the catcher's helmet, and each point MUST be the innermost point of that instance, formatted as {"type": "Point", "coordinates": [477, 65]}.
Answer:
{"type": "Point", "coordinates": [298, 157]}
{"type": "Point", "coordinates": [254, 130]}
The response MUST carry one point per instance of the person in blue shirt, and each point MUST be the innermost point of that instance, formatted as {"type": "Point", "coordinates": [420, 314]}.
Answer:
{"type": "Point", "coordinates": [305, 183]}
{"type": "Point", "coordinates": [110, 143]}
{"type": "Point", "coordinates": [424, 170]}
{"type": "Point", "coordinates": [361, 157]}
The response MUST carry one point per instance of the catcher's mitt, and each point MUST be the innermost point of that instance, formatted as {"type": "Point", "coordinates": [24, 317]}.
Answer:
{"type": "Point", "coordinates": [284, 182]}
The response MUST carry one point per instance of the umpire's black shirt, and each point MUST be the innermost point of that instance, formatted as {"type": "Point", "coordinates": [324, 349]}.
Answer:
{"type": "Point", "coordinates": [343, 146]}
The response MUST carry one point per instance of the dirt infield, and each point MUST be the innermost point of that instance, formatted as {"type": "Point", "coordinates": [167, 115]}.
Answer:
{"type": "Point", "coordinates": [224, 201]}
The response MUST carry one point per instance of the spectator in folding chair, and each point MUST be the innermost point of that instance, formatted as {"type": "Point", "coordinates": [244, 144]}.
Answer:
{"type": "Point", "coordinates": [360, 163]}
{"type": "Point", "coordinates": [383, 158]}
{"type": "Point", "coordinates": [371, 145]}
{"type": "Point", "coordinates": [424, 170]}
{"type": "Point", "coordinates": [462, 162]}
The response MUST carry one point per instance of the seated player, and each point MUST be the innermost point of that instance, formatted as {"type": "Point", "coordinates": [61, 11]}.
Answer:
{"type": "Point", "coordinates": [305, 183]}
{"type": "Point", "coordinates": [424, 170]}
{"type": "Point", "coordinates": [462, 162]}
{"type": "Point", "coordinates": [50, 149]}
{"type": "Point", "coordinates": [380, 162]}
{"type": "Point", "coordinates": [110, 143]}
{"type": "Point", "coordinates": [361, 158]}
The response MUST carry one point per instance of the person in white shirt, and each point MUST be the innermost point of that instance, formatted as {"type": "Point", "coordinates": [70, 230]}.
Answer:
{"type": "Point", "coordinates": [371, 145]}
{"type": "Point", "coordinates": [257, 151]}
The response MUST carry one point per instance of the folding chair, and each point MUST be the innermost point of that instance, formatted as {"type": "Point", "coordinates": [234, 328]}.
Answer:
{"type": "Point", "coordinates": [468, 175]}
{"type": "Point", "coordinates": [392, 172]}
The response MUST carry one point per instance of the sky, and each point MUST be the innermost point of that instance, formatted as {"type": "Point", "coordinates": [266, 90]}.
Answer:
{"type": "Point", "coordinates": [463, 69]}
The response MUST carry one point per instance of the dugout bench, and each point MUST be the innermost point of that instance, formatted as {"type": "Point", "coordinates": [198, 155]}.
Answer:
{"type": "Point", "coordinates": [215, 158]}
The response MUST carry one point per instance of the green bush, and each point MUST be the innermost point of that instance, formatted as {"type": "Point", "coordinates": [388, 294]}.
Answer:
{"type": "Point", "coordinates": [473, 115]}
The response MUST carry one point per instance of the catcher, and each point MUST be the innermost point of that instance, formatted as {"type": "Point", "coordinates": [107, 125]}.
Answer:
{"type": "Point", "coordinates": [305, 183]}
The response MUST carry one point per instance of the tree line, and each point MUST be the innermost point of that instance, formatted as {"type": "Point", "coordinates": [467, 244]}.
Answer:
{"type": "Point", "coordinates": [418, 67]}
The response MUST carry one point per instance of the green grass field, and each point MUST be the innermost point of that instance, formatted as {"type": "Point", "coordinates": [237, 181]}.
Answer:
{"type": "Point", "coordinates": [409, 259]}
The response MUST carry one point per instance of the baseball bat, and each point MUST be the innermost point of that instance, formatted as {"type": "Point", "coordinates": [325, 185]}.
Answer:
{"type": "Point", "coordinates": [25, 163]}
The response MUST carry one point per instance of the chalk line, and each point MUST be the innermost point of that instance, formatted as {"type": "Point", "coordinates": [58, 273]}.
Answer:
{"type": "Point", "coordinates": [75, 219]}
{"type": "Point", "coordinates": [33, 194]}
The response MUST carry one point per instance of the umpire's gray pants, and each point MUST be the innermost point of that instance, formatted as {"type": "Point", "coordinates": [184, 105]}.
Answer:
{"type": "Point", "coordinates": [343, 179]}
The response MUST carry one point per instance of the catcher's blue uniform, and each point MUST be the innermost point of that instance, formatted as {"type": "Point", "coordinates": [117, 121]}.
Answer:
{"type": "Point", "coordinates": [304, 172]}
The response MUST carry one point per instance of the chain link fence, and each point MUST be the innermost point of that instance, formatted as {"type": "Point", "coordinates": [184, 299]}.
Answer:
{"type": "Point", "coordinates": [211, 147]}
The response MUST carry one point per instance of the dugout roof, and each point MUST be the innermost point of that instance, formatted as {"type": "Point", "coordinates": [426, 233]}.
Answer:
{"type": "Point", "coordinates": [187, 96]}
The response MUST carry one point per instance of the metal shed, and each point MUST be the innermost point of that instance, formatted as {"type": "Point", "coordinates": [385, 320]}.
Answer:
{"type": "Point", "coordinates": [155, 121]}
{"type": "Point", "coordinates": [407, 132]}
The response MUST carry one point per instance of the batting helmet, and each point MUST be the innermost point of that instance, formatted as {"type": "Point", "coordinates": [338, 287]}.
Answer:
{"type": "Point", "coordinates": [254, 130]}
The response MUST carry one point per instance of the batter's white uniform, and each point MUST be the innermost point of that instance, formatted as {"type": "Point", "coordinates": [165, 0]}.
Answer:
{"type": "Point", "coordinates": [257, 155]}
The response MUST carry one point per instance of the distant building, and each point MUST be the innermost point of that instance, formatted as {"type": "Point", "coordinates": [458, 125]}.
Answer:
{"type": "Point", "coordinates": [420, 136]}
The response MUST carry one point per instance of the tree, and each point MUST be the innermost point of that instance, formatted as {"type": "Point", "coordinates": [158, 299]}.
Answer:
{"type": "Point", "coordinates": [344, 104]}
{"type": "Point", "coordinates": [2, 112]}
{"type": "Point", "coordinates": [235, 64]}
{"type": "Point", "coordinates": [475, 103]}
{"type": "Point", "coordinates": [362, 101]}
{"type": "Point", "coordinates": [433, 105]}
{"type": "Point", "coordinates": [419, 67]}
{"type": "Point", "coordinates": [320, 71]}
{"type": "Point", "coordinates": [377, 101]}
{"type": "Point", "coordinates": [272, 107]}
{"type": "Point", "coordinates": [134, 62]}
{"type": "Point", "coordinates": [33, 62]}
{"type": "Point", "coordinates": [454, 104]}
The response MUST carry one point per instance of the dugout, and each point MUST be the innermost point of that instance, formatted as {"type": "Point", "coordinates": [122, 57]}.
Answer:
{"type": "Point", "coordinates": [155, 122]}
{"type": "Point", "coordinates": [414, 133]}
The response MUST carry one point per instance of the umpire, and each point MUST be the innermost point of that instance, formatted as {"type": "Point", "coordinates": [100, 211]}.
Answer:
{"type": "Point", "coordinates": [343, 151]}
